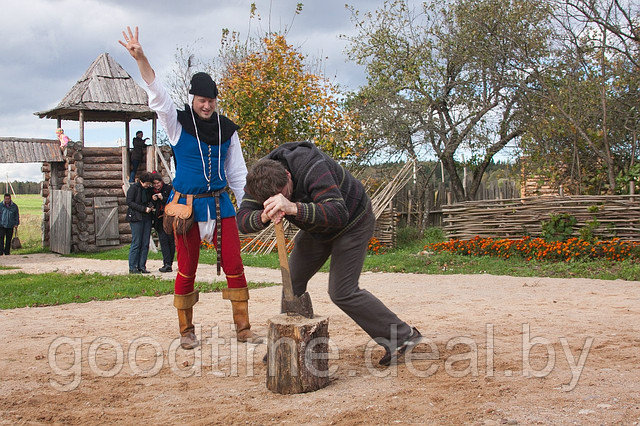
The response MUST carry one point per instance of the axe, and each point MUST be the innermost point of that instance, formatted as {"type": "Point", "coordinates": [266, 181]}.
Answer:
{"type": "Point", "coordinates": [291, 304]}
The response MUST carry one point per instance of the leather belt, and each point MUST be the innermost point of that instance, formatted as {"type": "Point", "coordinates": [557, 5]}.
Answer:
{"type": "Point", "coordinates": [216, 195]}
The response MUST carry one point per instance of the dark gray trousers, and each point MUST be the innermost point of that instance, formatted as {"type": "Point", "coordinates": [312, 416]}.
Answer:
{"type": "Point", "coordinates": [347, 257]}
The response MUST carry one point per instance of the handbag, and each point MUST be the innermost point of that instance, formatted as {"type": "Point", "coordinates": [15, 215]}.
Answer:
{"type": "Point", "coordinates": [15, 242]}
{"type": "Point", "coordinates": [178, 218]}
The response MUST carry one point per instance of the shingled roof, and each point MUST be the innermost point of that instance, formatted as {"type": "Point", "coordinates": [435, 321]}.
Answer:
{"type": "Point", "coordinates": [106, 92]}
{"type": "Point", "coordinates": [23, 150]}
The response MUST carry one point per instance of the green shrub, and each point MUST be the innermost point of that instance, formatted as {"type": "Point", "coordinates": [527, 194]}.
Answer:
{"type": "Point", "coordinates": [433, 235]}
{"type": "Point", "coordinates": [559, 227]}
{"type": "Point", "coordinates": [587, 232]}
{"type": "Point", "coordinates": [407, 236]}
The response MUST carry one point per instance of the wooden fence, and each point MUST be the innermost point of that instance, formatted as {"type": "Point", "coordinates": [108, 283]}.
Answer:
{"type": "Point", "coordinates": [422, 205]}
{"type": "Point", "coordinates": [619, 216]}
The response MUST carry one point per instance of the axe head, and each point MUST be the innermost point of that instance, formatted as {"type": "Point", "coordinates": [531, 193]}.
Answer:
{"type": "Point", "coordinates": [299, 305]}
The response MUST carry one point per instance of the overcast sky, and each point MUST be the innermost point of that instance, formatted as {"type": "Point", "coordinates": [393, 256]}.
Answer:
{"type": "Point", "coordinates": [48, 44]}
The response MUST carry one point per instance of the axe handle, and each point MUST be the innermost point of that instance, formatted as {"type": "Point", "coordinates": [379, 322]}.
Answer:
{"type": "Point", "coordinates": [284, 262]}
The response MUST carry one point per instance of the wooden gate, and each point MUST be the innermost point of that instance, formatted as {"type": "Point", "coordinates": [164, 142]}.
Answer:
{"type": "Point", "coordinates": [106, 221]}
{"type": "Point", "coordinates": [60, 221]}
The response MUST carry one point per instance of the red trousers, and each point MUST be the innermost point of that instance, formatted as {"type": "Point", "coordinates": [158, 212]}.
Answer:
{"type": "Point", "coordinates": [188, 253]}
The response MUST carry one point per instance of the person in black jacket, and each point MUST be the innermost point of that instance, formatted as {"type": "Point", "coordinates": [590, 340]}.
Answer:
{"type": "Point", "coordinates": [161, 192]}
{"type": "Point", "coordinates": [139, 216]}
{"type": "Point", "coordinates": [136, 154]}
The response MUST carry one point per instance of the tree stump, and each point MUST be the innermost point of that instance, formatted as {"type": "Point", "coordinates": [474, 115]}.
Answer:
{"type": "Point", "coordinates": [297, 354]}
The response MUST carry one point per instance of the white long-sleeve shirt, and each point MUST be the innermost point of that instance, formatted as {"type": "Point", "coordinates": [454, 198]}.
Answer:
{"type": "Point", "coordinates": [234, 164]}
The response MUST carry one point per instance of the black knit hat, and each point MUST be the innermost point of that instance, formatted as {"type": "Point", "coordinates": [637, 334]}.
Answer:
{"type": "Point", "coordinates": [203, 85]}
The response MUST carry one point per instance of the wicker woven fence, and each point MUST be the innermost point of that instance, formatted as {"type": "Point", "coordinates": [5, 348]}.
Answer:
{"type": "Point", "coordinates": [619, 216]}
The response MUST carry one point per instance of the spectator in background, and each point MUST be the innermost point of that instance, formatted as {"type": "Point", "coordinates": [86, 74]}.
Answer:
{"type": "Point", "coordinates": [161, 192]}
{"type": "Point", "coordinates": [136, 154]}
{"type": "Point", "coordinates": [139, 216]}
{"type": "Point", "coordinates": [9, 220]}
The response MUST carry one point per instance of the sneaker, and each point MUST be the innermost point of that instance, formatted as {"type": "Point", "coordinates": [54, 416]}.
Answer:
{"type": "Point", "coordinates": [144, 271]}
{"type": "Point", "coordinates": [166, 269]}
{"type": "Point", "coordinates": [392, 356]}
{"type": "Point", "coordinates": [134, 271]}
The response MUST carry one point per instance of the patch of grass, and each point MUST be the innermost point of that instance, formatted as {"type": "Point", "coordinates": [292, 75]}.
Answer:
{"type": "Point", "coordinates": [28, 203]}
{"type": "Point", "coordinates": [408, 259]}
{"type": "Point", "coordinates": [119, 253]}
{"type": "Point", "coordinates": [207, 257]}
{"type": "Point", "coordinates": [407, 236]}
{"type": "Point", "coordinates": [448, 263]}
{"type": "Point", "coordinates": [30, 234]}
{"type": "Point", "coordinates": [20, 289]}
{"type": "Point", "coordinates": [30, 229]}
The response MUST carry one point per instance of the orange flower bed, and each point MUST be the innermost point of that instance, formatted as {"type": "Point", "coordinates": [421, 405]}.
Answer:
{"type": "Point", "coordinates": [375, 247]}
{"type": "Point", "coordinates": [536, 248]}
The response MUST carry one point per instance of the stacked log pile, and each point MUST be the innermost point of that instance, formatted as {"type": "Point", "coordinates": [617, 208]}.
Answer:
{"type": "Point", "coordinates": [618, 215]}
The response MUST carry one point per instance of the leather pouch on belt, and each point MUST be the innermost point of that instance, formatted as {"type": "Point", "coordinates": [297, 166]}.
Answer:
{"type": "Point", "coordinates": [178, 218]}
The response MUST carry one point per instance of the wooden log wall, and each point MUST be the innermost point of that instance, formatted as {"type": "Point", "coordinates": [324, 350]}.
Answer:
{"type": "Point", "coordinates": [53, 175]}
{"type": "Point", "coordinates": [90, 172]}
{"type": "Point", "coordinates": [619, 216]}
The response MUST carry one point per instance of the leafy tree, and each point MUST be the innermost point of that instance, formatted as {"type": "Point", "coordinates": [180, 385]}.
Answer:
{"type": "Point", "coordinates": [447, 78]}
{"type": "Point", "coordinates": [268, 89]}
{"type": "Point", "coordinates": [585, 102]}
{"type": "Point", "coordinates": [619, 18]}
{"type": "Point", "coordinates": [274, 99]}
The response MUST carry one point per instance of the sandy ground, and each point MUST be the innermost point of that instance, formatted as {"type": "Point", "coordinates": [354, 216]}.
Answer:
{"type": "Point", "coordinates": [497, 350]}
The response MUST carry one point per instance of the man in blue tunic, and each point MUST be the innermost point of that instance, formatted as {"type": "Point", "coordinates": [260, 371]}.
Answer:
{"type": "Point", "coordinates": [208, 155]}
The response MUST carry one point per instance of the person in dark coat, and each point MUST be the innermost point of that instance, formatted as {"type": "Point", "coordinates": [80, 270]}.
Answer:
{"type": "Point", "coordinates": [139, 216]}
{"type": "Point", "coordinates": [137, 153]}
{"type": "Point", "coordinates": [9, 220]}
{"type": "Point", "coordinates": [161, 192]}
{"type": "Point", "coordinates": [299, 182]}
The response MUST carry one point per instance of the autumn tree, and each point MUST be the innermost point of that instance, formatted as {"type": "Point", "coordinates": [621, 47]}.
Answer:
{"type": "Point", "coordinates": [447, 77]}
{"type": "Point", "coordinates": [274, 99]}
{"type": "Point", "coordinates": [270, 90]}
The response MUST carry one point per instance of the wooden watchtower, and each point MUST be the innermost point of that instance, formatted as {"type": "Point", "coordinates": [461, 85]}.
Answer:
{"type": "Point", "coordinates": [87, 190]}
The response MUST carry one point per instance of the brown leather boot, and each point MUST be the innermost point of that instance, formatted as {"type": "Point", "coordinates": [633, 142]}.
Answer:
{"type": "Point", "coordinates": [184, 303]}
{"type": "Point", "coordinates": [240, 306]}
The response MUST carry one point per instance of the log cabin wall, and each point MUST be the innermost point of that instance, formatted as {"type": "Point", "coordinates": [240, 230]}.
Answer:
{"type": "Point", "coordinates": [95, 177]}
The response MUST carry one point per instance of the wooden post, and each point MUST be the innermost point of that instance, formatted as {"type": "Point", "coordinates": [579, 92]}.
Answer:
{"type": "Point", "coordinates": [126, 171]}
{"type": "Point", "coordinates": [150, 158]}
{"type": "Point", "coordinates": [59, 123]}
{"type": "Point", "coordinates": [81, 122]}
{"type": "Point", "coordinates": [297, 354]}
{"type": "Point", "coordinates": [154, 142]}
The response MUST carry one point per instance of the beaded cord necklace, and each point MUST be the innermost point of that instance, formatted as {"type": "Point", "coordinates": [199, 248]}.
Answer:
{"type": "Point", "coordinates": [208, 178]}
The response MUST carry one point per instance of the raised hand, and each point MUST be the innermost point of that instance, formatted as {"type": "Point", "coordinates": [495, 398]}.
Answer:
{"type": "Point", "coordinates": [132, 44]}
{"type": "Point", "coordinates": [134, 48]}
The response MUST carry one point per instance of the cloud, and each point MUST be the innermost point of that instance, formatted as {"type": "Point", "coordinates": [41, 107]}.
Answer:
{"type": "Point", "coordinates": [48, 44]}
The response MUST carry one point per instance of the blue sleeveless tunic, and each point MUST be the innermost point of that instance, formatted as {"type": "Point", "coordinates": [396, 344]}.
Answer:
{"type": "Point", "coordinates": [190, 177]}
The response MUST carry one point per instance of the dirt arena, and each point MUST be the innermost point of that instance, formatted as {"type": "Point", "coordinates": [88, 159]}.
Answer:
{"type": "Point", "coordinates": [497, 350]}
